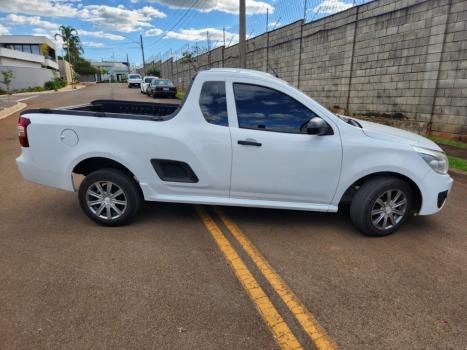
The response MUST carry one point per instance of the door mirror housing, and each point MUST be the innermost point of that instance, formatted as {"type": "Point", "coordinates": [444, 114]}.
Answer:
{"type": "Point", "coordinates": [317, 126]}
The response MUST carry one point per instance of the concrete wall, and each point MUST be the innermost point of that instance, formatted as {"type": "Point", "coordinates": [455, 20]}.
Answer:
{"type": "Point", "coordinates": [400, 62]}
{"type": "Point", "coordinates": [24, 77]}
{"type": "Point", "coordinates": [66, 70]}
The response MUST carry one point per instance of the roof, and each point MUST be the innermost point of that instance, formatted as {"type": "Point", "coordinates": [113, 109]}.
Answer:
{"type": "Point", "coordinates": [26, 39]}
{"type": "Point", "coordinates": [235, 71]}
{"type": "Point", "coordinates": [239, 72]}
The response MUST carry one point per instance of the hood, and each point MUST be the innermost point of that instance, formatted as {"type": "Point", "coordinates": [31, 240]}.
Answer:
{"type": "Point", "coordinates": [389, 133]}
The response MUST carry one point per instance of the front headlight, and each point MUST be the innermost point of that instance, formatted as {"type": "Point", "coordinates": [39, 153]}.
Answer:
{"type": "Point", "coordinates": [435, 159]}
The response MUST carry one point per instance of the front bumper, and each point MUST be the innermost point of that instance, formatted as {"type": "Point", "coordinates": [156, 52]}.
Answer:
{"type": "Point", "coordinates": [435, 190]}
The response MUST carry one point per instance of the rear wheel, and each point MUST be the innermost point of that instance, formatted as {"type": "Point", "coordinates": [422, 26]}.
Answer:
{"type": "Point", "coordinates": [381, 206]}
{"type": "Point", "coordinates": [110, 197]}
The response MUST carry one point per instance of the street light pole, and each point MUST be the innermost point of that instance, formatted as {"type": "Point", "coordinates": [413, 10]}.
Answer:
{"type": "Point", "coordinates": [242, 34]}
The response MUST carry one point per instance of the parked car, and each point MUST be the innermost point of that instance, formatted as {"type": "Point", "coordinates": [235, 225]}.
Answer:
{"type": "Point", "coordinates": [145, 83]}
{"type": "Point", "coordinates": [162, 88]}
{"type": "Point", "coordinates": [241, 138]}
{"type": "Point", "coordinates": [134, 80]}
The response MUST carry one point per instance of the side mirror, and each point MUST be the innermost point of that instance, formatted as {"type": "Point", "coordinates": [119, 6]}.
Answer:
{"type": "Point", "coordinates": [317, 126]}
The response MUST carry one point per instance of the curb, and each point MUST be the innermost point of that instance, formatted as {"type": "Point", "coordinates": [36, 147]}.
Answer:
{"type": "Point", "coordinates": [13, 109]}
{"type": "Point", "coordinates": [64, 89]}
{"type": "Point", "coordinates": [458, 175]}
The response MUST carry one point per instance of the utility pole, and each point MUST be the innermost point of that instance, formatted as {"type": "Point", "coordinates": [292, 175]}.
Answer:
{"type": "Point", "coordinates": [304, 11]}
{"type": "Point", "coordinates": [267, 19]}
{"type": "Point", "coordinates": [127, 63]}
{"type": "Point", "coordinates": [267, 40]}
{"type": "Point", "coordinates": [142, 52]}
{"type": "Point", "coordinates": [223, 34]}
{"type": "Point", "coordinates": [242, 38]}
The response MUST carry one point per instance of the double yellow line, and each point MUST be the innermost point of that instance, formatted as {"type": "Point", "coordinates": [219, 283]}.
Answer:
{"type": "Point", "coordinates": [279, 328]}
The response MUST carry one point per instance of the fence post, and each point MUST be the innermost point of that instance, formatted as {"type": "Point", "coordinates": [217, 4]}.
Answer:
{"type": "Point", "coordinates": [347, 105]}
{"type": "Point", "coordinates": [429, 125]}
{"type": "Point", "coordinates": [300, 54]}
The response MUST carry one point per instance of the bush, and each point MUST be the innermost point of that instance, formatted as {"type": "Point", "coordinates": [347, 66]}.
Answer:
{"type": "Point", "coordinates": [54, 84]}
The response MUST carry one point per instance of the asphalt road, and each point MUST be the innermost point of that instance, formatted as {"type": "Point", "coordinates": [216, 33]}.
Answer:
{"type": "Point", "coordinates": [180, 277]}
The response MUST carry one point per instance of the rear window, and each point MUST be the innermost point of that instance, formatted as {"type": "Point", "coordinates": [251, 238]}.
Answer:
{"type": "Point", "coordinates": [148, 80]}
{"type": "Point", "coordinates": [162, 82]}
{"type": "Point", "coordinates": [212, 102]}
{"type": "Point", "coordinates": [134, 76]}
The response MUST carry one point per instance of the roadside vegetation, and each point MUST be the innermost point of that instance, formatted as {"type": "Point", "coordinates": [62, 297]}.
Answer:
{"type": "Point", "coordinates": [457, 163]}
{"type": "Point", "coordinates": [180, 94]}
{"type": "Point", "coordinates": [54, 84]}
{"type": "Point", "coordinates": [445, 141]}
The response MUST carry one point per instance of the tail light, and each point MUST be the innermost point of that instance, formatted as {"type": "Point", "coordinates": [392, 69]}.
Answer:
{"type": "Point", "coordinates": [23, 131]}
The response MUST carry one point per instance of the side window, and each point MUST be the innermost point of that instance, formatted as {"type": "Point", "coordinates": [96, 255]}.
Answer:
{"type": "Point", "coordinates": [262, 108]}
{"type": "Point", "coordinates": [213, 103]}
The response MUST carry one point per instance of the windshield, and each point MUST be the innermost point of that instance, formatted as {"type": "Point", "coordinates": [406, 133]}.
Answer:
{"type": "Point", "coordinates": [134, 76]}
{"type": "Point", "coordinates": [162, 82]}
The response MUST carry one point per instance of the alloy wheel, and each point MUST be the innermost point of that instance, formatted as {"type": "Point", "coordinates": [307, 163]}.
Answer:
{"type": "Point", "coordinates": [106, 200]}
{"type": "Point", "coordinates": [389, 209]}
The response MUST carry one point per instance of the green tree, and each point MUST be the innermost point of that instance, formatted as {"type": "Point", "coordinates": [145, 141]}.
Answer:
{"type": "Point", "coordinates": [188, 57]}
{"type": "Point", "coordinates": [153, 71]}
{"type": "Point", "coordinates": [7, 79]}
{"type": "Point", "coordinates": [71, 42]}
{"type": "Point", "coordinates": [84, 67]}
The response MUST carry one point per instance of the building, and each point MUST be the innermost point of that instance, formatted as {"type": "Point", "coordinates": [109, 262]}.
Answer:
{"type": "Point", "coordinates": [114, 70]}
{"type": "Point", "coordinates": [32, 59]}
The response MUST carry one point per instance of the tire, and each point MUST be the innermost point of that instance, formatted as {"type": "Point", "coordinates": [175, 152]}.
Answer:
{"type": "Point", "coordinates": [371, 203]}
{"type": "Point", "coordinates": [131, 195]}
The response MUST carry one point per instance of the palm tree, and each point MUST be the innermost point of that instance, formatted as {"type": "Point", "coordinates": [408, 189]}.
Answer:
{"type": "Point", "coordinates": [70, 38]}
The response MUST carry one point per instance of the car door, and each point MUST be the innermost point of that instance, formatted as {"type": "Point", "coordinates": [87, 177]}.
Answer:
{"type": "Point", "coordinates": [272, 158]}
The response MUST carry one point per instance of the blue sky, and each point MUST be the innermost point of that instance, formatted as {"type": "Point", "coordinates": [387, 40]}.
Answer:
{"type": "Point", "coordinates": [111, 28]}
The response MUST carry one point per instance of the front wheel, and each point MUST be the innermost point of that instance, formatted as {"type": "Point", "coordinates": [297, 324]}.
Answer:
{"type": "Point", "coordinates": [110, 197]}
{"type": "Point", "coordinates": [381, 206]}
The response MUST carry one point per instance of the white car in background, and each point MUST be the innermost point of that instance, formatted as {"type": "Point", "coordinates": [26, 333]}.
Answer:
{"type": "Point", "coordinates": [146, 82]}
{"type": "Point", "coordinates": [134, 80]}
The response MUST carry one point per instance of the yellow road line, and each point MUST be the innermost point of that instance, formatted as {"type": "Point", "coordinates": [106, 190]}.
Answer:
{"type": "Point", "coordinates": [304, 317]}
{"type": "Point", "coordinates": [281, 332]}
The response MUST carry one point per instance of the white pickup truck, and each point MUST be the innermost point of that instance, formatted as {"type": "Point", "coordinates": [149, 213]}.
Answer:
{"type": "Point", "coordinates": [240, 138]}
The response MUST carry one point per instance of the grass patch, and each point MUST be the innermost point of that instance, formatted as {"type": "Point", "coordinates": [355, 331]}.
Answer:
{"type": "Point", "coordinates": [457, 163]}
{"type": "Point", "coordinates": [446, 141]}
{"type": "Point", "coordinates": [180, 94]}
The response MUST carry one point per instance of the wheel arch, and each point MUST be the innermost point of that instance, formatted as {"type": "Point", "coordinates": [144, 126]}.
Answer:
{"type": "Point", "coordinates": [92, 162]}
{"type": "Point", "coordinates": [88, 165]}
{"type": "Point", "coordinates": [353, 188]}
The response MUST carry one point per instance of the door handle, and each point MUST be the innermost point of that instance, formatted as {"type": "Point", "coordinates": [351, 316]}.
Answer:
{"type": "Point", "coordinates": [249, 143]}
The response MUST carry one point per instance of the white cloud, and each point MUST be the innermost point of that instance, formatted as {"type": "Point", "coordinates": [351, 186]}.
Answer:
{"type": "Point", "coordinates": [153, 32]}
{"type": "Point", "coordinates": [100, 34]}
{"type": "Point", "coordinates": [92, 44]}
{"type": "Point", "coordinates": [200, 35]}
{"type": "Point", "coordinates": [120, 18]}
{"type": "Point", "coordinates": [117, 18]}
{"type": "Point", "coordinates": [229, 6]}
{"type": "Point", "coordinates": [39, 7]}
{"type": "Point", "coordinates": [31, 21]}
{"type": "Point", "coordinates": [331, 6]}
{"type": "Point", "coordinates": [274, 24]}
{"type": "Point", "coordinates": [4, 30]}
